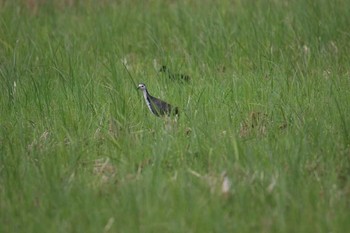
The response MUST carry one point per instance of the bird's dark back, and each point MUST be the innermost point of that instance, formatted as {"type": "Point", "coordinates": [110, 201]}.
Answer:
{"type": "Point", "coordinates": [162, 108]}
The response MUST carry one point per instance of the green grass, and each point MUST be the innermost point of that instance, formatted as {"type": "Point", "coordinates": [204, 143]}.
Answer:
{"type": "Point", "coordinates": [268, 104]}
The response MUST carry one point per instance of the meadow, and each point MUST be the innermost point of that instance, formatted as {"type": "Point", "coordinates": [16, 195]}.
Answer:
{"type": "Point", "coordinates": [261, 145]}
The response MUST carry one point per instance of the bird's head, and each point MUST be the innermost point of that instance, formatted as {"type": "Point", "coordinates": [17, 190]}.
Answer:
{"type": "Point", "coordinates": [141, 86]}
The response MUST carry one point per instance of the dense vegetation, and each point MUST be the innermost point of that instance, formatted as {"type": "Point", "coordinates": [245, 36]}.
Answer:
{"type": "Point", "coordinates": [262, 143]}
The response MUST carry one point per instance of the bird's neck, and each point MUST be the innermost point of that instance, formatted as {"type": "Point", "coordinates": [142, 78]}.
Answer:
{"type": "Point", "coordinates": [146, 95]}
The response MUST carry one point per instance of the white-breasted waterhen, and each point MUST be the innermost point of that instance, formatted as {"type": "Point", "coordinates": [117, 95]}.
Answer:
{"type": "Point", "coordinates": [179, 77]}
{"type": "Point", "coordinates": [156, 106]}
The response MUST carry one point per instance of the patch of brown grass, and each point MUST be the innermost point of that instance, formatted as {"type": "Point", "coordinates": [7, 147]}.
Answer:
{"type": "Point", "coordinates": [256, 122]}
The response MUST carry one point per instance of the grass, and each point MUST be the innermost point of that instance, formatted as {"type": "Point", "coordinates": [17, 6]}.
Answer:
{"type": "Point", "coordinates": [267, 110]}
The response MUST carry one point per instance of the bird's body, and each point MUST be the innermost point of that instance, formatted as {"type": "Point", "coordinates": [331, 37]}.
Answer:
{"type": "Point", "coordinates": [179, 77]}
{"type": "Point", "coordinates": [156, 106]}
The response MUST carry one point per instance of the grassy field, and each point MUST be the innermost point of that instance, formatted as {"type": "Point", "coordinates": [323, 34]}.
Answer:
{"type": "Point", "coordinates": [262, 143]}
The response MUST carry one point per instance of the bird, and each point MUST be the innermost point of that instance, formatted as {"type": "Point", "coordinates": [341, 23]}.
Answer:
{"type": "Point", "coordinates": [156, 106]}
{"type": "Point", "coordinates": [179, 77]}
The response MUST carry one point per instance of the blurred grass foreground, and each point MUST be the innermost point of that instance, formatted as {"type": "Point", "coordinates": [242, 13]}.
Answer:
{"type": "Point", "coordinates": [261, 145]}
